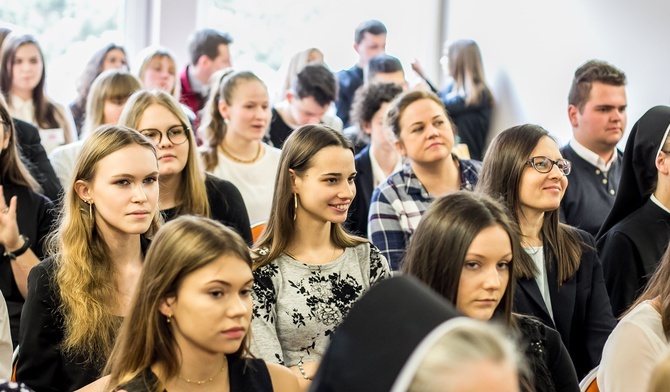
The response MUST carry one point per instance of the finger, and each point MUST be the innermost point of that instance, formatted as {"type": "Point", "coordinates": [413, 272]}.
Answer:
{"type": "Point", "coordinates": [2, 199]}
{"type": "Point", "coordinates": [13, 202]}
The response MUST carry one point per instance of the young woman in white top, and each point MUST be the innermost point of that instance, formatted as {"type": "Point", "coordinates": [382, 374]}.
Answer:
{"type": "Point", "coordinates": [640, 340]}
{"type": "Point", "coordinates": [22, 80]}
{"type": "Point", "coordinates": [237, 118]}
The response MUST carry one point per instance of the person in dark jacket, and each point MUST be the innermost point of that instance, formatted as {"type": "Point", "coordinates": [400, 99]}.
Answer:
{"type": "Point", "coordinates": [35, 159]}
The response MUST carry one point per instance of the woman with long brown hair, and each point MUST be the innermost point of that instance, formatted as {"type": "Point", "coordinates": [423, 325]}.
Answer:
{"type": "Point", "coordinates": [78, 297]}
{"type": "Point", "coordinates": [562, 282]}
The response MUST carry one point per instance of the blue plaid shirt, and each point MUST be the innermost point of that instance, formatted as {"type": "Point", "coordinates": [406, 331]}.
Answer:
{"type": "Point", "coordinates": [398, 204]}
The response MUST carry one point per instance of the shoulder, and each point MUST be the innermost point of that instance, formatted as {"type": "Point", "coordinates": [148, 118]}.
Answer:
{"type": "Point", "coordinates": [218, 185]}
{"type": "Point", "coordinates": [282, 378]}
{"type": "Point", "coordinates": [470, 166]}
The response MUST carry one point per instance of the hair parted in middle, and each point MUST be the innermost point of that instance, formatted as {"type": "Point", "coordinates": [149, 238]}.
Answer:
{"type": "Point", "coordinates": [298, 155]}
{"type": "Point", "coordinates": [437, 249]}
{"type": "Point", "coordinates": [82, 257]}
{"type": "Point", "coordinates": [500, 177]}
{"type": "Point", "coordinates": [192, 194]}
{"type": "Point", "coordinates": [181, 247]}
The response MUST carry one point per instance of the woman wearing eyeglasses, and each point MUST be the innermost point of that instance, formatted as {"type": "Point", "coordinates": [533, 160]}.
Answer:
{"type": "Point", "coordinates": [524, 167]}
{"type": "Point", "coordinates": [185, 189]}
{"type": "Point", "coordinates": [424, 134]}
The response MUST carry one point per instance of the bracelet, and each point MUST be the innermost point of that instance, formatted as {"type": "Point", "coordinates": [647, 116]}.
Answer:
{"type": "Point", "coordinates": [20, 251]}
{"type": "Point", "coordinates": [302, 371]}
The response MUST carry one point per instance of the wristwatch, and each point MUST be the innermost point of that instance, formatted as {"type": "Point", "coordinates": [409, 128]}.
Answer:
{"type": "Point", "coordinates": [20, 251]}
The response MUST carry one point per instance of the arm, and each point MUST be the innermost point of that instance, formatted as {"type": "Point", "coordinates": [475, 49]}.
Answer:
{"type": "Point", "coordinates": [559, 363]}
{"type": "Point", "coordinates": [385, 230]}
{"type": "Point", "coordinates": [265, 343]}
{"type": "Point", "coordinates": [282, 378]}
{"type": "Point", "coordinates": [620, 270]}
{"type": "Point", "coordinates": [39, 363]}
{"type": "Point", "coordinates": [599, 321]}
{"type": "Point", "coordinates": [39, 165]}
{"type": "Point", "coordinates": [231, 210]}
{"type": "Point", "coordinates": [379, 267]}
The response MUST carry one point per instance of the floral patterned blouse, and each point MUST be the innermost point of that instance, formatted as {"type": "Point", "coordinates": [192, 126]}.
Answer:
{"type": "Point", "coordinates": [297, 306]}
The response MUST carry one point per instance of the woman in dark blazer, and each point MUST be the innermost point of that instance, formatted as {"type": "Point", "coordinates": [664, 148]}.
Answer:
{"type": "Point", "coordinates": [369, 110]}
{"type": "Point", "coordinates": [562, 279]}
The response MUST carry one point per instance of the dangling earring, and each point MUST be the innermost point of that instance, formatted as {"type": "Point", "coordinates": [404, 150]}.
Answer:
{"type": "Point", "coordinates": [295, 206]}
{"type": "Point", "coordinates": [90, 210]}
{"type": "Point", "coordinates": [169, 319]}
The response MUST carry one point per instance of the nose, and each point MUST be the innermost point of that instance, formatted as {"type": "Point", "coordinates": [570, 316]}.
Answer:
{"type": "Point", "coordinates": [492, 280]}
{"type": "Point", "coordinates": [432, 131]}
{"type": "Point", "coordinates": [237, 306]}
{"type": "Point", "coordinates": [140, 196]}
{"type": "Point", "coordinates": [348, 191]}
{"type": "Point", "coordinates": [556, 172]}
{"type": "Point", "coordinates": [164, 142]}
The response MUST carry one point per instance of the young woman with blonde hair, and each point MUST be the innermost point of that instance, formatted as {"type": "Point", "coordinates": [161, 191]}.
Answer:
{"type": "Point", "coordinates": [22, 81]}
{"type": "Point", "coordinates": [188, 326]}
{"type": "Point", "coordinates": [78, 297]}
{"type": "Point", "coordinates": [309, 271]}
{"type": "Point", "coordinates": [107, 97]}
{"type": "Point", "coordinates": [185, 188]}
{"type": "Point", "coordinates": [239, 114]}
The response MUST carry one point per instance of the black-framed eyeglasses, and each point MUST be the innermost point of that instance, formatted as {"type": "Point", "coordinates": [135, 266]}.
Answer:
{"type": "Point", "coordinates": [545, 165]}
{"type": "Point", "coordinates": [176, 134]}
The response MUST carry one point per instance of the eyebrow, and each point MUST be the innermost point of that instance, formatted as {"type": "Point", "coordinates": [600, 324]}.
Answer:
{"type": "Point", "coordinates": [421, 122]}
{"type": "Point", "coordinates": [223, 282]}
{"type": "Point", "coordinates": [126, 175]}
{"type": "Point", "coordinates": [337, 174]}
{"type": "Point", "coordinates": [477, 254]}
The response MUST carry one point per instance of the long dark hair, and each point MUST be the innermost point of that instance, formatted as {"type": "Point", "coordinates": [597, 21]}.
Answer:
{"type": "Point", "coordinates": [500, 177]}
{"type": "Point", "coordinates": [437, 250]}
{"type": "Point", "coordinates": [12, 169]}
{"type": "Point", "coordinates": [46, 114]}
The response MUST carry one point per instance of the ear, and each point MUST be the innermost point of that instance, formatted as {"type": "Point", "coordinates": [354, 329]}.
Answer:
{"type": "Point", "coordinates": [295, 181]}
{"type": "Point", "coordinates": [663, 163]}
{"type": "Point", "coordinates": [399, 147]}
{"type": "Point", "coordinates": [289, 96]}
{"type": "Point", "coordinates": [166, 306]}
{"type": "Point", "coordinates": [203, 61]}
{"type": "Point", "coordinates": [223, 109]}
{"type": "Point", "coordinates": [356, 47]}
{"type": "Point", "coordinates": [83, 190]}
{"type": "Point", "coordinates": [573, 115]}
{"type": "Point", "coordinates": [367, 128]}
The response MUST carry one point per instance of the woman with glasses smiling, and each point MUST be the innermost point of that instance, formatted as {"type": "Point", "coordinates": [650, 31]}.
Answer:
{"type": "Point", "coordinates": [564, 286]}
{"type": "Point", "coordinates": [185, 189]}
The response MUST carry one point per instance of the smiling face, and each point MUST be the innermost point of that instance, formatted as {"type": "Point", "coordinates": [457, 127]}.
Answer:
{"type": "Point", "coordinates": [326, 189]}
{"type": "Point", "coordinates": [26, 68]}
{"type": "Point", "coordinates": [426, 135]}
{"type": "Point", "coordinates": [124, 191]}
{"type": "Point", "coordinates": [248, 113]}
{"type": "Point", "coordinates": [160, 74]}
{"type": "Point", "coordinates": [212, 309]}
{"type": "Point", "coordinates": [172, 158]}
{"type": "Point", "coordinates": [542, 192]}
{"type": "Point", "coordinates": [485, 273]}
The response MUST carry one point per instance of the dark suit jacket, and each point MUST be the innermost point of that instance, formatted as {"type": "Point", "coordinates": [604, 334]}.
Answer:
{"type": "Point", "coordinates": [357, 222]}
{"type": "Point", "coordinates": [349, 80]}
{"type": "Point", "coordinates": [582, 311]}
{"type": "Point", "coordinates": [35, 158]}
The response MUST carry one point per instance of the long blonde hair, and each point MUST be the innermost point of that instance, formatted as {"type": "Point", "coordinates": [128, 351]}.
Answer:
{"type": "Point", "coordinates": [81, 256]}
{"type": "Point", "coordinates": [147, 55]}
{"type": "Point", "coordinates": [192, 194]}
{"type": "Point", "coordinates": [297, 154]}
{"type": "Point", "coordinates": [465, 66]}
{"type": "Point", "coordinates": [188, 243]}
{"type": "Point", "coordinates": [110, 84]}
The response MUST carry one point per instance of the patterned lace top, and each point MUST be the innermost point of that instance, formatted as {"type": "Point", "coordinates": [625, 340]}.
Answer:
{"type": "Point", "coordinates": [297, 306]}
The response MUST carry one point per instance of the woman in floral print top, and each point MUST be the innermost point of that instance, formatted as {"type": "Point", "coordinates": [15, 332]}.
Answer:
{"type": "Point", "coordinates": [309, 271]}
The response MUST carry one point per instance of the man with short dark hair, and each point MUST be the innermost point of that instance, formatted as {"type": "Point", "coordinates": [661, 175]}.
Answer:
{"type": "Point", "coordinates": [369, 40]}
{"type": "Point", "coordinates": [209, 53]}
{"type": "Point", "coordinates": [597, 112]}
{"type": "Point", "coordinates": [384, 68]}
{"type": "Point", "coordinates": [312, 92]}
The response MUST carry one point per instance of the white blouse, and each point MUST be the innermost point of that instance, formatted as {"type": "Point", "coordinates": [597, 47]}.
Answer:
{"type": "Point", "coordinates": [632, 351]}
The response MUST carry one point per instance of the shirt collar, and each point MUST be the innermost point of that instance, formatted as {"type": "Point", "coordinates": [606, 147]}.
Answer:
{"type": "Point", "coordinates": [591, 157]}
{"type": "Point", "coordinates": [196, 86]}
{"type": "Point", "coordinates": [658, 203]}
{"type": "Point", "coordinates": [378, 175]}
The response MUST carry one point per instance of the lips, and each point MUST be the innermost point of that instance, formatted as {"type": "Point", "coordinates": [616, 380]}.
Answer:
{"type": "Point", "coordinates": [340, 207]}
{"type": "Point", "coordinates": [234, 333]}
{"type": "Point", "coordinates": [167, 156]}
{"type": "Point", "coordinates": [552, 188]}
{"type": "Point", "coordinates": [139, 213]}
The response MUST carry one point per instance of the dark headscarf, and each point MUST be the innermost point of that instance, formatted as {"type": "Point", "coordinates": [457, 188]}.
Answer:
{"type": "Point", "coordinates": [378, 336]}
{"type": "Point", "coordinates": [639, 174]}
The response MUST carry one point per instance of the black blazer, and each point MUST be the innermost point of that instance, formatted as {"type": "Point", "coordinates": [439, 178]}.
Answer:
{"type": "Point", "coordinates": [357, 221]}
{"type": "Point", "coordinates": [582, 311]}
{"type": "Point", "coordinates": [35, 158]}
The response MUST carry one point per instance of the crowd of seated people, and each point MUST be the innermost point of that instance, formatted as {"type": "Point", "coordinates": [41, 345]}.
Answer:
{"type": "Point", "coordinates": [131, 265]}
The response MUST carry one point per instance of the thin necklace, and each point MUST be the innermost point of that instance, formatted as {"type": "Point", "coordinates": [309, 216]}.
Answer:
{"type": "Point", "coordinates": [200, 382]}
{"type": "Point", "coordinates": [332, 256]}
{"type": "Point", "coordinates": [240, 160]}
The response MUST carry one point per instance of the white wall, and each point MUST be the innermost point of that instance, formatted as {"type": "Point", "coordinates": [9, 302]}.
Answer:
{"type": "Point", "coordinates": [531, 49]}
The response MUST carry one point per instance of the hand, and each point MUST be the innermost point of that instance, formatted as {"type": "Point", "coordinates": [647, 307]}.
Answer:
{"type": "Point", "coordinates": [9, 229]}
{"type": "Point", "coordinates": [416, 66]}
